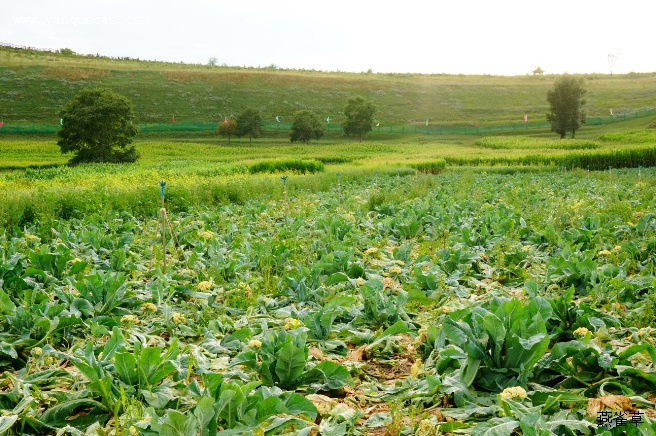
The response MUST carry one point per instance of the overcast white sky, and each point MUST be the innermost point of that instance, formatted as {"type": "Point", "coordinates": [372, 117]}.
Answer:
{"type": "Point", "coordinates": [504, 37]}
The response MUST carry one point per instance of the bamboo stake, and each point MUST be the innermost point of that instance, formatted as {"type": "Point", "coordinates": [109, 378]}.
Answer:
{"type": "Point", "coordinates": [163, 219]}
{"type": "Point", "coordinates": [339, 188]}
{"type": "Point", "coordinates": [284, 184]}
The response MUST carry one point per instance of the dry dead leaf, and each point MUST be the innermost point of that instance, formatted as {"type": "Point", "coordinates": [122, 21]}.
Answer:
{"type": "Point", "coordinates": [316, 353]}
{"type": "Point", "coordinates": [356, 354]}
{"type": "Point", "coordinates": [614, 402]}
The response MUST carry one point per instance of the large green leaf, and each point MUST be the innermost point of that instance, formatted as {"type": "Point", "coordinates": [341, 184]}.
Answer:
{"type": "Point", "coordinates": [105, 389]}
{"type": "Point", "coordinates": [299, 405]}
{"type": "Point", "coordinates": [125, 365]}
{"type": "Point", "coordinates": [319, 324]}
{"type": "Point", "coordinates": [77, 413]}
{"type": "Point", "coordinates": [6, 305]}
{"type": "Point", "coordinates": [649, 377]}
{"type": "Point", "coordinates": [157, 396]}
{"type": "Point", "coordinates": [460, 333]}
{"type": "Point", "coordinates": [298, 426]}
{"type": "Point", "coordinates": [496, 427]}
{"type": "Point", "coordinates": [268, 407]}
{"type": "Point", "coordinates": [290, 362]}
{"type": "Point", "coordinates": [206, 416]}
{"type": "Point", "coordinates": [81, 307]}
{"type": "Point", "coordinates": [153, 367]}
{"type": "Point", "coordinates": [231, 405]}
{"type": "Point", "coordinates": [336, 278]}
{"type": "Point", "coordinates": [6, 422]}
{"type": "Point", "coordinates": [115, 343]}
{"type": "Point", "coordinates": [637, 348]}
{"type": "Point", "coordinates": [330, 375]}
{"type": "Point", "coordinates": [526, 343]}
{"type": "Point", "coordinates": [497, 332]}
{"type": "Point", "coordinates": [469, 371]}
{"type": "Point", "coordinates": [8, 349]}
{"type": "Point", "coordinates": [395, 329]}
{"type": "Point", "coordinates": [176, 424]}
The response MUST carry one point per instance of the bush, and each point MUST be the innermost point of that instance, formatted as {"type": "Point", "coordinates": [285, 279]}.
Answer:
{"type": "Point", "coordinates": [289, 165]}
{"type": "Point", "coordinates": [334, 159]}
{"type": "Point", "coordinates": [430, 167]}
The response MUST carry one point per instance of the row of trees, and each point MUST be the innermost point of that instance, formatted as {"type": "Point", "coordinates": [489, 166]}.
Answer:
{"type": "Point", "coordinates": [306, 124]}
{"type": "Point", "coordinates": [97, 125]}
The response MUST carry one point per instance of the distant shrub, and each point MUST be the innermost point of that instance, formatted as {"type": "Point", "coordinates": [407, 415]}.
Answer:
{"type": "Point", "coordinates": [430, 167]}
{"type": "Point", "coordinates": [334, 159]}
{"type": "Point", "coordinates": [290, 165]}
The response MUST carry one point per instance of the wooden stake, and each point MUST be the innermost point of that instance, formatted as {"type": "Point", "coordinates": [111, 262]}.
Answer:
{"type": "Point", "coordinates": [162, 214]}
{"type": "Point", "coordinates": [284, 184]}
{"type": "Point", "coordinates": [339, 188]}
{"type": "Point", "coordinates": [163, 222]}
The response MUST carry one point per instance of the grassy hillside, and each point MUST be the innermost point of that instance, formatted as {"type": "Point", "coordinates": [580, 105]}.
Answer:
{"type": "Point", "coordinates": [34, 85]}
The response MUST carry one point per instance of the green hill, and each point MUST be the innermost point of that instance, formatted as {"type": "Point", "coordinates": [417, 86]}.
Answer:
{"type": "Point", "coordinates": [34, 85]}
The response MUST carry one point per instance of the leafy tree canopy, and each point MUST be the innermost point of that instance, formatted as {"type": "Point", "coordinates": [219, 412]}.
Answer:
{"type": "Point", "coordinates": [249, 122]}
{"type": "Point", "coordinates": [97, 127]}
{"type": "Point", "coordinates": [306, 126]}
{"type": "Point", "coordinates": [567, 105]}
{"type": "Point", "coordinates": [227, 128]}
{"type": "Point", "coordinates": [359, 117]}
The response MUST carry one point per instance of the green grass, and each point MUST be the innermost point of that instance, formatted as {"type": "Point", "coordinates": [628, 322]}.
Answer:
{"type": "Point", "coordinates": [34, 86]}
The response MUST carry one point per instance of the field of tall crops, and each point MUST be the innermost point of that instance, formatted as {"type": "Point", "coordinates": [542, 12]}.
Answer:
{"type": "Point", "coordinates": [393, 303]}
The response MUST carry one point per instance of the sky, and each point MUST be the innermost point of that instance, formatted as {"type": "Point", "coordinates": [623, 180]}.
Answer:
{"type": "Point", "coordinates": [502, 37]}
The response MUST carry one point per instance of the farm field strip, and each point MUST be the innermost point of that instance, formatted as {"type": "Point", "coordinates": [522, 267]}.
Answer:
{"type": "Point", "coordinates": [20, 153]}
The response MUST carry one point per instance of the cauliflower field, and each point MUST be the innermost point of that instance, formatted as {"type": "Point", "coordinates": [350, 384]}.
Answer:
{"type": "Point", "coordinates": [465, 302]}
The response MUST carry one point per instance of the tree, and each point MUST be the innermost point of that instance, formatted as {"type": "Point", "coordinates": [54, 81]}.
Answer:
{"type": "Point", "coordinates": [306, 126]}
{"type": "Point", "coordinates": [212, 61]}
{"type": "Point", "coordinates": [359, 117]}
{"type": "Point", "coordinates": [249, 123]}
{"type": "Point", "coordinates": [97, 126]}
{"type": "Point", "coordinates": [567, 105]}
{"type": "Point", "coordinates": [227, 128]}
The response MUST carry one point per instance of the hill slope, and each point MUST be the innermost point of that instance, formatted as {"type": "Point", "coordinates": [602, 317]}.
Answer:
{"type": "Point", "coordinates": [34, 85]}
